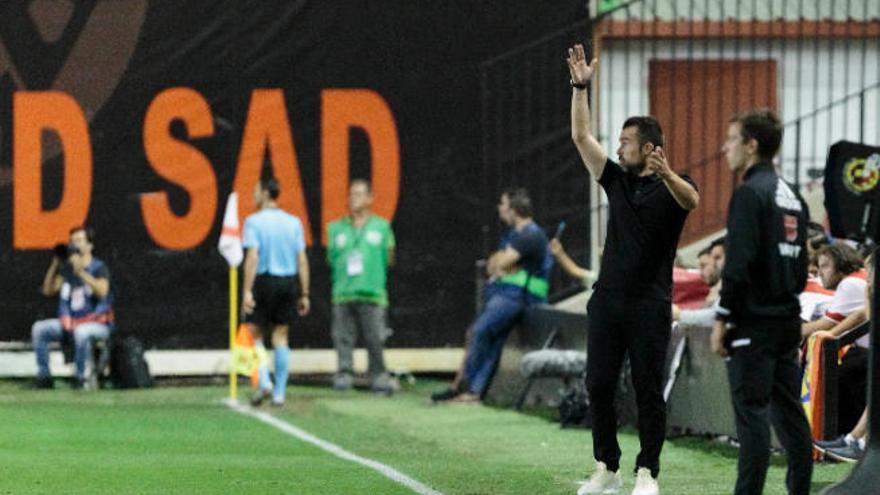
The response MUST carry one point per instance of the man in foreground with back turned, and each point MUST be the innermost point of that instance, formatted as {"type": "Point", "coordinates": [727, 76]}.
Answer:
{"type": "Point", "coordinates": [630, 311]}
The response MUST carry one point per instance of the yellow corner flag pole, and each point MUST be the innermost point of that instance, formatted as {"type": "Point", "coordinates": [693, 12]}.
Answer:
{"type": "Point", "coordinates": [231, 249]}
{"type": "Point", "coordinates": [233, 324]}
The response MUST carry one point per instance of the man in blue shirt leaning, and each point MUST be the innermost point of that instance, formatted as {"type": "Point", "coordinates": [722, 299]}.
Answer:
{"type": "Point", "coordinates": [518, 274]}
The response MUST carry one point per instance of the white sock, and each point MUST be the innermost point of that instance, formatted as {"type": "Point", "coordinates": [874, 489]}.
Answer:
{"type": "Point", "coordinates": [862, 443]}
{"type": "Point", "coordinates": [849, 439]}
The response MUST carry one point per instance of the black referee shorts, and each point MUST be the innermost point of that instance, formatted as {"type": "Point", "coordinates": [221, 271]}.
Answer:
{"type": "Point", "coordinates": [275, 299]}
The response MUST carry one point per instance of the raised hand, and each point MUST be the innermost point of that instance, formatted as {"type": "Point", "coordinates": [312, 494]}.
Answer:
{"type": "Point", "coordinates": [657, 163]}
{"type": "Point", "coordinates": [581, 73]}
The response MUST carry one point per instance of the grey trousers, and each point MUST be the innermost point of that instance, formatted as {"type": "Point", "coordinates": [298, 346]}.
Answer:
{"type": "Point", "coordinates": [370, 321]}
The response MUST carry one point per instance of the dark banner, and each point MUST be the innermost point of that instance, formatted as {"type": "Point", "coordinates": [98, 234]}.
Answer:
{"type": "Point", "coordinates": [852, 174]}
{"type": "Point", "coordinates": [139, 118]}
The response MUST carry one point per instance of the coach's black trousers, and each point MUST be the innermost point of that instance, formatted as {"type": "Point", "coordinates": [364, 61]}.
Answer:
{"type": "Point", "coordinates": [764, 384]}
{"type": "Point", "coordinates": [639, 327]}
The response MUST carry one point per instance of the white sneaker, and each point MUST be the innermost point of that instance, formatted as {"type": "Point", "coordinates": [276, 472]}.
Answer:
{"type": "Point", "coordinates": [602, 482]}
{"type": "Point", "coordinates": [645, 483]}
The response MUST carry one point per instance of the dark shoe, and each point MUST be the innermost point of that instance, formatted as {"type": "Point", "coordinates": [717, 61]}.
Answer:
{"type": "Point", "coordinates": [77, 383]}
{"type": "Point", "coordinates": [343, 381]}
{"type": "Point", "coordinates": [444, 395]}
{"type": "Point", "coordinates": [838, 443]}
{"type": "Point", "coordinates": [384, 385]}
{"type": "Point", "coordinates": [260, 396]}
{"type": "Point", "coordinates": [850, 453]}
{"type": "Point", "coordinates": [44, 382]}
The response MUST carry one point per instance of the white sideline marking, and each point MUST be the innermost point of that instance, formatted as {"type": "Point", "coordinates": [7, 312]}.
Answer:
{"type": "Point", "coordinates": [384, 470]}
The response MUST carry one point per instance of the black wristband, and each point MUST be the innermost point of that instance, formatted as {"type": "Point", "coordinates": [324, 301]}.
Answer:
{"type": "Point", "coordinates": [577, 86]}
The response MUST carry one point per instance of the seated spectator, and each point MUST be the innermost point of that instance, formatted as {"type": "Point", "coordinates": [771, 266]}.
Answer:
{"type": "Point", "coordinates": [711, 265]}
{"type": "Point", "coordinates": [706, 267]}
{"type": "Point", "coordinates": [852, 374]}
{"type": "Point", "coordinates": [815, 298]}
{"type": "Point", "coordinates": [85, 305]}
{"type": "Point", "coordinates": [840, 269]}
{"type": "Point", "coordinates": [716, 253]}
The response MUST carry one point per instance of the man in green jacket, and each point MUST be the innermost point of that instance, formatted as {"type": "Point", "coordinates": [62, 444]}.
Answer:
{"type": "Point", "coordinates": [360, 250]}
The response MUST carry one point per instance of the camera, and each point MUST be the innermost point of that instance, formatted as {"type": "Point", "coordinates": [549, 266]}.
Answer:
{"type": "Point", "coordinates": [65, 251]}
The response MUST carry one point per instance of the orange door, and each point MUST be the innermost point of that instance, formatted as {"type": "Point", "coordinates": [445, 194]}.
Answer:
{"type": "Point", "coordinates": [694, 99]}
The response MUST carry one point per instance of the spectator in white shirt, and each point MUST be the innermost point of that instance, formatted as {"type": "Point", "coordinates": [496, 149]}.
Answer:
{"type": "Point", "coordinates": [840, 268]}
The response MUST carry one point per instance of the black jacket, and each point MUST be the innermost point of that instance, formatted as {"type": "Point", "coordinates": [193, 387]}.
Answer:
{"type": "Point", "coordinates": [766, 260]}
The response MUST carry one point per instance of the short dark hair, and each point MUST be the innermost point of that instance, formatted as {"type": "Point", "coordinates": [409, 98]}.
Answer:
{"type": "Point", "coordinates": [705, 251]}
{"type": "Point", "coordinates": [846, 259]}
{"type": "Point", "coordinates": [764, 127]}
{"type": "Point", "coordinates": [360, 180]}
{"type": "Point", "coordinates": [519, 200]}
{"type": "Point", "coordinates": [271, 186]}
{"type": "Point", "coordinates": [648, 128]}
{"type": "Point", "coordinates": [90, 233]}
{"type": "Point", "coordinates": [721, 241]}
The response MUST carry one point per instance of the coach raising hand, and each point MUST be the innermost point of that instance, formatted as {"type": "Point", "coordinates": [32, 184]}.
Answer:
{"type": "Point", "coordinates": [630, 308]}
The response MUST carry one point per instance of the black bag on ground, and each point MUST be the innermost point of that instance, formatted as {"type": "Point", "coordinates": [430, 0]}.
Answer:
{"type": "Point", "coordinates": [128, 368]}
{"type": "Point", "coordinates": [574, 407]}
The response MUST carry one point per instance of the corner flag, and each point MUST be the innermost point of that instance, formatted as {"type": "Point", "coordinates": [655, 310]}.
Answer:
{"type": "Point", "coordinates": [230, 236]}
{"type": "Point", "coordinates": [231, 249]}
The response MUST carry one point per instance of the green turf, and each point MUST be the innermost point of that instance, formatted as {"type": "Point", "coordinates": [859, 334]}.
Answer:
{"type": "Point", "coordinates": [159, 441]}
{"type": "Point", "coordinates": [183, 440]}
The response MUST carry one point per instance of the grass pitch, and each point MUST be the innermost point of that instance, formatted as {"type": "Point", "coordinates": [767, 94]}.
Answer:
{"type": "Point", "coordinates": [184, 440]}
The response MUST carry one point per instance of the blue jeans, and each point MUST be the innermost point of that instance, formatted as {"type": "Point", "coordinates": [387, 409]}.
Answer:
{"type": "Point", "coordinates": [45, 331]}
{"type": "Point", "coordinates": [490, 331]}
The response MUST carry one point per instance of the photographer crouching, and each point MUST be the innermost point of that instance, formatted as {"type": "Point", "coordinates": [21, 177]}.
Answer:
{"type": "Point", "coordinates": [85, 306]}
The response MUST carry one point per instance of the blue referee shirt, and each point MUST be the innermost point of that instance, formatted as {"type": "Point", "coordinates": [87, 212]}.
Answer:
{"type": "Point", "coordinates": [278, 237]}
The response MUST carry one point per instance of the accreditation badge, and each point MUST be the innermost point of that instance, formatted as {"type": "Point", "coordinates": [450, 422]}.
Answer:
{"type": "Point", "coordinates": [354, 264]}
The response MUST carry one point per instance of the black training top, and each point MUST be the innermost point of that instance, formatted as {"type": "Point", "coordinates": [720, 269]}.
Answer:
{"type": "Point", "coordinates": [644, 224]}
{"type": "Point", "coordinates": [765, 265]}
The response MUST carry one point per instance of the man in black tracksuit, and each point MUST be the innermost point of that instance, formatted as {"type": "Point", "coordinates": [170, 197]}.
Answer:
{"type": "Point", "coordinates": [757, 325]}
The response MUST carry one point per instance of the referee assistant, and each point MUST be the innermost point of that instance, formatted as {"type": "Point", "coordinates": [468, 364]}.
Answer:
{"type": "Point", "coordinates": [276, 253]}
{"type": "Point", "coordinates": [630, 312]}
{"type": "Point", "coordinates": [758, 324]}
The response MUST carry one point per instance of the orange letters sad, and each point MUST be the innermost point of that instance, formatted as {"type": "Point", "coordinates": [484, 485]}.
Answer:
{"type": "Point", "coordinates": [266, 131]}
